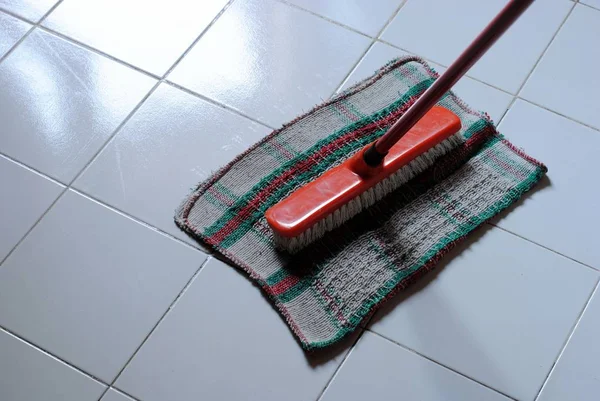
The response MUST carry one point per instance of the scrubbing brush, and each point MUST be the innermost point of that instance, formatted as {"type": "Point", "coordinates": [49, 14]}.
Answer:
{"type": "Point", "coordinates": [413, 143]}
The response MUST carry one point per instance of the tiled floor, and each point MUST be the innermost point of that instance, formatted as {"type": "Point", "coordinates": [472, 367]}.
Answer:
{"type": "Point", "coordinates": [110, 111]}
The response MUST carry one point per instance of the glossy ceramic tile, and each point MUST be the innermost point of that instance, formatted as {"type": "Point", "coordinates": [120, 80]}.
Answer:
{"type": "Point", "coordinates": [498, 310]}
{"type": "Point", "coordinates": [59, 103]}
{"type": "Point", "coordinates": [366, 17]}
{"type": "Point", "coordinates": [11, 30]}
{"type": "Point", "coordinates": [477, 95]}
{"type": "Point", "coordinates": [452, 25]}
{"type": "Point", "coordinates": [146, 33]}
{"type": "Point", "coordinates": [113, 395]}
{"type": "Point", "coordinates": [25, 197]}
{"type": "Point", "coordinates": [270, 60]}
{"type": "Point", "coordinates": [562, 214]}
{"type": "Point", "coordinates": [29, 374]}
{"type": "Point", "coordinates": [575, 377]}
{"type": "Point", "coordinates": [223, 341]}
{"type": "Point", "coordinates": [89, 284]}
{"type": "Point", "coordinates": [378, 368]}
{"type": "Point", "coordinates": [565, 80]}
{"type": "Point", "coordinates": [33, 10]}
{"type": "Point", "coordinates": [172, 143]}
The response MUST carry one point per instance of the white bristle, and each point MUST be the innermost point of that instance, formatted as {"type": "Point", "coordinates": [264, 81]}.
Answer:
{"type": "Point", "coordinates": [367, 198]}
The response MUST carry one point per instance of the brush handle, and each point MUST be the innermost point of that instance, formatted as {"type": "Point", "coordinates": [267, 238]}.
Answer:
{"type": "Point", "coordinates": [509, 14]}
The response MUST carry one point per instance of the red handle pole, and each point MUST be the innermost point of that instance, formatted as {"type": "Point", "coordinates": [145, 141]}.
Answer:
{"type": "Point", "coordinates": [509, 14]}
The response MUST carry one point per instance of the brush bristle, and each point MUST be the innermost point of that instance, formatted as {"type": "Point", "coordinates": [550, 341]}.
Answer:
{"type": "Point", "coordinates": [367, 198]}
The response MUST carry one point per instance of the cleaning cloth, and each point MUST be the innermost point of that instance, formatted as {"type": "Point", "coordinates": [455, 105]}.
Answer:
{"type": "Point", "coordinates": [328, 289]}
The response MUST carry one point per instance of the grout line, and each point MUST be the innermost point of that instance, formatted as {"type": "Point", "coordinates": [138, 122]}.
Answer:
{"type": "Point", "coordinates": [139, 221]}
{"type": "Point", "coordinates": [48, 354]}
{"type": "Point", "coordinates": [339, 367]}
{"type": "Point", "coordinates": [362, 327]}
{"type": "Point", "coordinates": [560, 114]}
{"type": "Point", "coordinates": [216, 103]}
{"type": "Point", "coordinates": [587, 5]}
{"type": "Point", "coordinates": [306, 10]}
{"type": "Point", "coordinates": [114, 133]}
{"type": "Point", "coordinates": [9, 52]}
{"type": "Point", "coordinates": [32, 227]}
{"type": "Point", "coordinates": [545, 247]}
{"type": "Point", "coordinates": [545, 50]}
{"type": "Point", "coordinates": [118, 391]}
{"type": "Point", "coordinates": [97, 51]}
{"type": "Point", "coordinates": [31, 169]}
{"type": "Point", "coordinates": [173, 304]}
{"type": "Point", "coordinates": [35, 25]}
{"type": "Point", "coordinates": [566, 343]}
{"type": "Point", "coordinates": [441, 364]}
{"type": "Point", "coordinates": [373, 41]}
{"type": "Point", "coordinates": [444, 66]}
{"type": "Point", "coordinates": [17, 16]}
{"type": "Point", "coordinates": [191, 46]}
{"type": "Point", "coordinates": [510, 105]}
{"type": "Point", "coordinates": [352, 69]}
{"type": "Point", "coordinates": [541, 106]}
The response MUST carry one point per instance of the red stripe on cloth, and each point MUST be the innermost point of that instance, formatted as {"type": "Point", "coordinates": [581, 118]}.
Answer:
{"type": "Point", "coordinates": [219, 196]}
{"type": "Point", "coordinates": [286, 153]}
{"type": "Point", "coordinates": [344, 110]}
{"type": "Point", "coordinates": [517, 174]}
{"type": "Point", "coordinates": [284, 285]}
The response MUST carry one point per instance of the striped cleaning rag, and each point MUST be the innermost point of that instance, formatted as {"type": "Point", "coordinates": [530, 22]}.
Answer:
{"type": "Point", "coordinates": [327, 290]}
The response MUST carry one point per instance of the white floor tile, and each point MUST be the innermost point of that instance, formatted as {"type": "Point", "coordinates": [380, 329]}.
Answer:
{"type": "Point", "coordinates": [223, 341]}
{"type": "Point", "coordinates": [11, 30]}
{"type": "Point", "coordinates": [89, 284]}
{"type": "Point", "coordinates": [172, 142]}
{"type": "Point", "coordinates": [59, 103]}
{"type": "Point", "coordinates": [25, 196]}
{"type": "Point", "coordinates": [270, 60]}
{"type": "Point", "coordinates": [112, 395]}
{"type": "Point", "coordinates": [476, 94]}
{"type": "Point", "coordinates": [565, 80]}
{"type": "Point", "coordinates": [30, 375]}
{"type": "Point", "coordinates": [562, 214]}
{"type": "Point", "coordinates": [576, 374]}
{"type": "Point", "coordinates": [149, 34]}
{"type": "Point", "coordinates": [452, 25]}
{"type": "Point", "coordinates": [499, 312]}
{"type": "Point", "coordinates": [366, 17]}
{"type": "Point", "coordinates": [33, 10]}
{"type": "Point", "coordinates": [378, 369]}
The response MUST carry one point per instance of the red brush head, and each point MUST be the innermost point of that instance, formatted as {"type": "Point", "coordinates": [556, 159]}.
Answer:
{"type": "Point", "coordinates": [338, 186]}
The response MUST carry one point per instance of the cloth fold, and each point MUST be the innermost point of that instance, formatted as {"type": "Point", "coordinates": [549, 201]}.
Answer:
{"type": "Point", "coordinates": [327, 290]}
